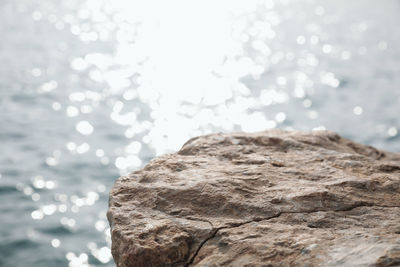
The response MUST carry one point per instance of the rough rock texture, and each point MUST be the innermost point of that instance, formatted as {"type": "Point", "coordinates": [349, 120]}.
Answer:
{"type": "Point", "coordinates": [273, 198]}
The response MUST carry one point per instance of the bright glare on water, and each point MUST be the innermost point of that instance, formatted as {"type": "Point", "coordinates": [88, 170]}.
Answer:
{"type": "Point", "coordinates": [91, 89]}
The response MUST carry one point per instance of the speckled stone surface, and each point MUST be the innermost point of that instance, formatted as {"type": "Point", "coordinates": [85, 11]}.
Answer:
{"type": "Point", "coordinates": [273, 198]}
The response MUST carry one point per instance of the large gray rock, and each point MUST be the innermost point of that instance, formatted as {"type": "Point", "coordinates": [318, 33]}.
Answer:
{"type": "Point", "coordinates": [273, 198]}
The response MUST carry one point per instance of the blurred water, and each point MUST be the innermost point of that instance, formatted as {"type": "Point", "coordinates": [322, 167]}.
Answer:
{"type": "Point", "coordinates": [91, 89]}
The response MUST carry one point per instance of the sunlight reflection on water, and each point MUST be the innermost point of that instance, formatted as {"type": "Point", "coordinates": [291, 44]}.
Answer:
{"type": "Point", "coordinates": [94, 89]}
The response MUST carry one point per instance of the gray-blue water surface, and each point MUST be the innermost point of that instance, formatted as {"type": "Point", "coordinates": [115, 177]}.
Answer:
{"type": "Point", "coordinates": [91, 89]}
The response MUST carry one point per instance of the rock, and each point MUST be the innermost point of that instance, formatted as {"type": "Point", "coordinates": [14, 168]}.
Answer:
{"type": "Point", "coordinates": [273, 198]}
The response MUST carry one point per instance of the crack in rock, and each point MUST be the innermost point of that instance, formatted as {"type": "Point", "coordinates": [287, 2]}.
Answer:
{"type": "Point", "coordinates": [216, 230]}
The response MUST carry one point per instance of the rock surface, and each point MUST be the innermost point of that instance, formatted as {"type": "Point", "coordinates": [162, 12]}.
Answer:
{"type": "Point", "coordinates": [273, 198]}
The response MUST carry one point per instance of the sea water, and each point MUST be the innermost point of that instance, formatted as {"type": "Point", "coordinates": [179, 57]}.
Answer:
{"type": "Point", "coordinates": [93, 89]}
